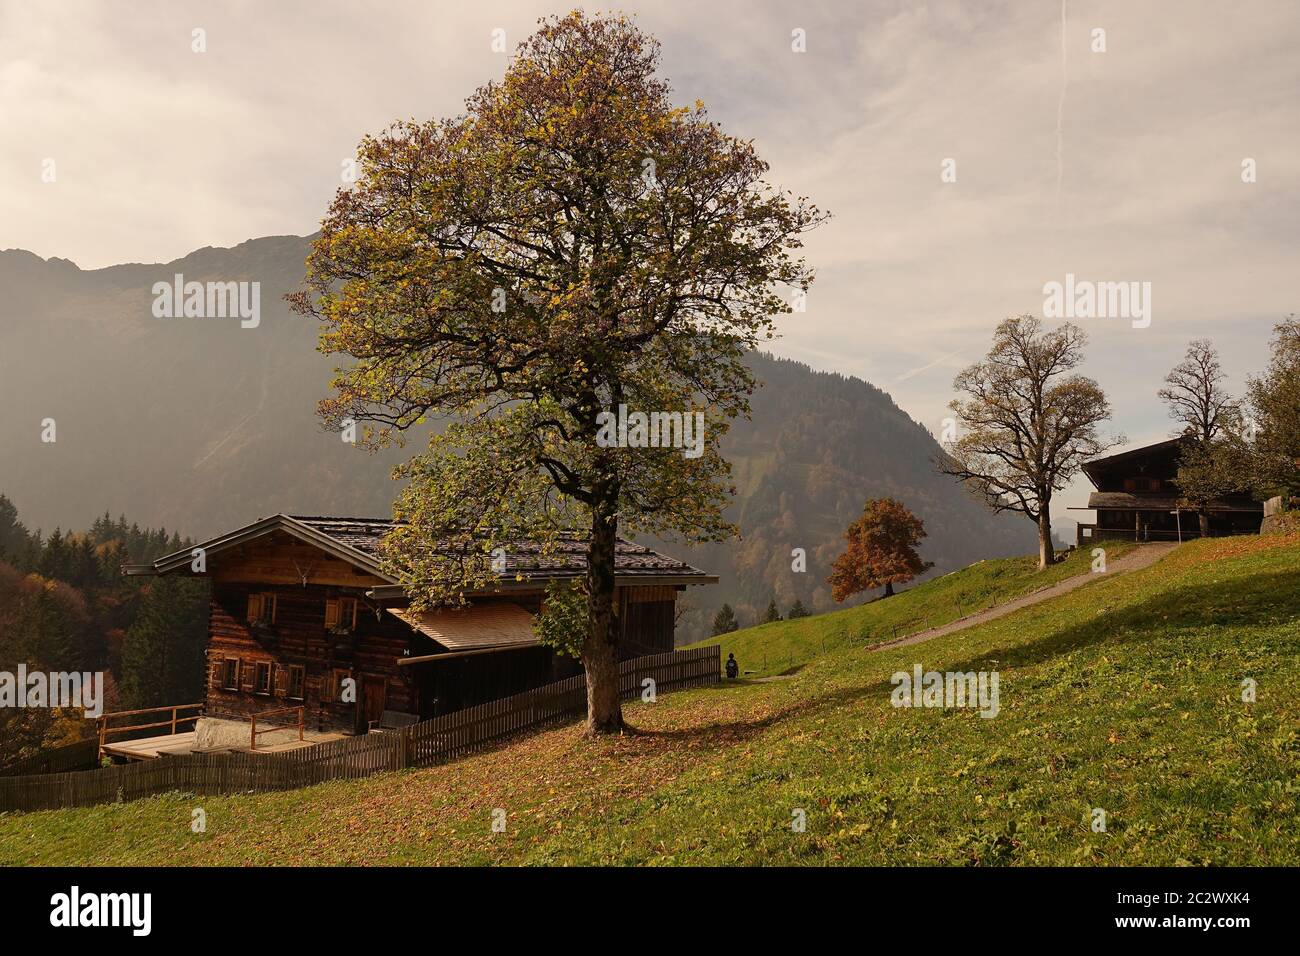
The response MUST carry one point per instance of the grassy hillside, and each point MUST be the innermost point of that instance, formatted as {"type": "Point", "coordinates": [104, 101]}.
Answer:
{"type": "Point", "coordinates": [1123, 695]}
{"type": "Point", "coordinates": [775, 648]}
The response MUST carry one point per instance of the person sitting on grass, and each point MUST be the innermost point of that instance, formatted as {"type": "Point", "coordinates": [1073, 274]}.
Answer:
{"type": "Point", "coordinates": [732, 667]}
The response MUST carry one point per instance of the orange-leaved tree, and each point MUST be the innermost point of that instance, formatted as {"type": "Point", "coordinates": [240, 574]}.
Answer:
{"type": "Point", "coordinates": [881, 550]}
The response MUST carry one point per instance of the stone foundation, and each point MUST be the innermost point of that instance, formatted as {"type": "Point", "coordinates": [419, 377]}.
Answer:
{"type": "Point", "coordinates": [214, 733]}
{"type": "Point", "coordinates": [1280, 516]}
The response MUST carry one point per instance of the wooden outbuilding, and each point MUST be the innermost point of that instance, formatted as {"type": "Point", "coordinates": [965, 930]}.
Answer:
{"type": "Point", "coordinates": [1137, 497]}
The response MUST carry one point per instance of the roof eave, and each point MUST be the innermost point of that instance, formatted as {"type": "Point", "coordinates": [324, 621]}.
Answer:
{"type": "Point", "coordinates": [1120, 455]}
{"type": "Point", "coordinates": [280, 522]}
{"type": "Point", "coordinates": [396, 592]}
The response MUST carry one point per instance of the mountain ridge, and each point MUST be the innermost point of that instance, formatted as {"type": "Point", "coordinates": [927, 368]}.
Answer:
{"type": "Point", "coordinates": [200, 426]}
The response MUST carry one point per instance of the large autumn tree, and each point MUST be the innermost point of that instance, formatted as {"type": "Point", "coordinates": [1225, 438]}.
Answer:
{"type": "Point", "coordinates": [1027, 421]}
{"type": "Point", "coordinates": [571, 244]}
{"type": "Point", "coordinates": [1274, 403]}
{"type": "Point", "coordinates": [880, 550]}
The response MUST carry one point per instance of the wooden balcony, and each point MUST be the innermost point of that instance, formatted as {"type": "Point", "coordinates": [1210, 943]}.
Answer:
{"type": "Point", "coordinates": [177, 741]}
{"type": "Point", "coordinates": [182, 741]}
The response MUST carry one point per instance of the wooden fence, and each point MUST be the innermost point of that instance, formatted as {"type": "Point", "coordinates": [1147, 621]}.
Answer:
{"type": "Point", "coordinates": [83, 755]}
{"type": "Point", "coordinates": [428, 742]}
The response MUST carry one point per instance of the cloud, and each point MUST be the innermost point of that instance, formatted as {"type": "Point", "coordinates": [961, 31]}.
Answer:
{"type": "Point", "coordinates": [160, 150]}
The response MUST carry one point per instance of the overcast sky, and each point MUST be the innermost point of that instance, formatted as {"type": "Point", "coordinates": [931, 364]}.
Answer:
{"type": "Point", "coordinates": [1123, 165]}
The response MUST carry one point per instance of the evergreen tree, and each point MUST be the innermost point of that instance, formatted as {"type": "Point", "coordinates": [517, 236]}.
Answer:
{"type": "Point", "coordinates": [102, 531]}
{"type": "Point", "coordinates": [85, 569]}
{"type": "Point", "coordinates": [772, 613]}
{"type": "Point", "coordinates": [53, 632]}
{"type": "Point", "coordinates": [162, 658]}
{"type": "Point", "coordinates": [14, 537]}
{"type": "Point", "coordinates": [797, 610]}
{"type": "Point", "coordinates": [56, 558]}
{"type": "Point", "coordinates": [724, 622]}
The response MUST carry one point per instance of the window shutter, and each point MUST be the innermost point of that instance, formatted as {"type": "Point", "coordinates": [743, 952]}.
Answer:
{"type": "Point", "coordinates": [254, 607]}
{"type": "Point", "coordinates": [353, 622]}
{"type": "Point", "coordinates": [270, 618]}
{"type": "Point", "coordinates": [247, 675]}
{"type": "Point", "coordinates": [332, 612]}
{"type": "Point", "coordinates": [281, 685]}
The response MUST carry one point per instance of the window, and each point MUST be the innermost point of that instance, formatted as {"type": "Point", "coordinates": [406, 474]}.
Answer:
{"type": "Point", "coordinates": [230, 673]}
{"type": "Point", "coordinates": [262, 683]}
{"type": "Point", "coordinates": [296, 678]}
{"type": "Point", "coordinates": [1142, 484]}
{"type": "Point", "coordinates": [341, 614]}
{"type": "Point", "coordinates": [261, 609]}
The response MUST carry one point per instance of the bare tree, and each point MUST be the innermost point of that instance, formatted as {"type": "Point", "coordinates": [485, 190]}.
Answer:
{"type": "Point", "coordinates": [1198, 402]}
{"type": "Point", "coordinates": [1027, 422]}
{"type": "Point", "coordinates": [1195, 395]}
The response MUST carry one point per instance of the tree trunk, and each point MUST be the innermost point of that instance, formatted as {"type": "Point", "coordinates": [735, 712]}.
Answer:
{"type": "Point", "coordinates": [1046, 554]}
{"type": "Point", "coordinates": [1205, 524]}
{"type": "Point", "coordinates": [889, 589]}
{"type": "Point", "coordinates": [600, 651]}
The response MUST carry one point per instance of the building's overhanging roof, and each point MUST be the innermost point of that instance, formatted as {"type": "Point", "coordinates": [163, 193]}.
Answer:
{"type": "Point", "coordinates": [529, 567]}
{"type": "Point", "coordinates": [1100, 464]}
{"type": "Point", "coordinates": [1129, 501]}
{"type": "Point", "coordinates": [181, 560]}
{"type": "Point", "coordinates": [529, 564]}
{"type": "Point", "coordinates": [396, 593]}
{"type": "Point", "coordinates": [476, 628]}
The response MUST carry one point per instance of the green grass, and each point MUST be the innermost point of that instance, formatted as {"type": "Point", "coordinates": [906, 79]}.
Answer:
{"type": "Point", "coordinates": [776, 648]}
{"type": "Point", "coordinates": [1123, 695]}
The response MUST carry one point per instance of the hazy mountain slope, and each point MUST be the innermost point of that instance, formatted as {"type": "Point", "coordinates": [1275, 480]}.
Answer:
{"type": "Point", "coordinates": [817, 446]}
{"type": "Point", "coordinates": [196, 423]}
{"type": "Point", "coordinates": [201, 425]}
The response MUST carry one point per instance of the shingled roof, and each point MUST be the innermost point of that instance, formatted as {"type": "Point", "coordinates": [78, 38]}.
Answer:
{"type": "Point", "coordinates": [566, 558]}
{"type": "Point", "coordinates": [1128, 501]}
{"type": "Point", "coordinates": [357, 541]}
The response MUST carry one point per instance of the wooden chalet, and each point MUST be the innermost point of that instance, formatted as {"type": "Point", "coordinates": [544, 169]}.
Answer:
{"type": "Point", "coordinates": [1137, 497]}
{"type": "Point", "coordinates": [301, 612]}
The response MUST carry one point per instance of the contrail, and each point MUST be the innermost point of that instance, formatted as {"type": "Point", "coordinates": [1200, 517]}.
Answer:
{"type": "Point", "coordinates": [925, 368]}
{"type": "Point", "coordinates": [1060, 114]}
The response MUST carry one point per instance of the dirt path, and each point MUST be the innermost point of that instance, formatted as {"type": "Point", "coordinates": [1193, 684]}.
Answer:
{"type": "Point", "coordinates": [1141, 557]}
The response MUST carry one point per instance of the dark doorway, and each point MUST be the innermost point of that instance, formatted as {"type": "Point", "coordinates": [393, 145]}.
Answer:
{"type": "Point", "coordinates": [373, 699]}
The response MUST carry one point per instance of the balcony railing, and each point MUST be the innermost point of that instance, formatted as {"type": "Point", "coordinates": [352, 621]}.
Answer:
{"type": "Point", "coordinates": [175, 720]}
{"type": "Point", "coordinates": [253, 731]}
